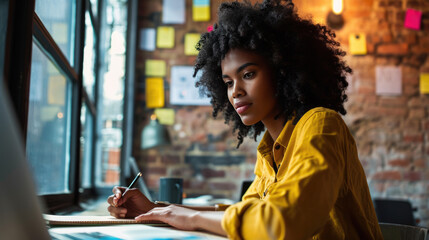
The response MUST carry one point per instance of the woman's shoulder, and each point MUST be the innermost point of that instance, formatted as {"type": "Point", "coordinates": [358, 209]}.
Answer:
{"type": "Point", "coordinates": [321, 117]}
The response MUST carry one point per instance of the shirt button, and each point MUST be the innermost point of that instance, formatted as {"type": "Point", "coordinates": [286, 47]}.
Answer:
{"type": "Point", "coordinates": [277, 147]}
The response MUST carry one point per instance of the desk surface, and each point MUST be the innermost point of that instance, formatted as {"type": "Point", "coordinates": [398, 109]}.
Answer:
{"type": "Point", "coordinates": [132, 231]}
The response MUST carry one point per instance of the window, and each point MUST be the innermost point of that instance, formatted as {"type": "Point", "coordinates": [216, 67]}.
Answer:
{"type": "Point", "coordinates": [74, 110]}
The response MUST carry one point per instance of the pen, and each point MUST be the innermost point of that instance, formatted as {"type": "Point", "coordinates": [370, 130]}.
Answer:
{"type": "Point", "coordinates": [132, 183]}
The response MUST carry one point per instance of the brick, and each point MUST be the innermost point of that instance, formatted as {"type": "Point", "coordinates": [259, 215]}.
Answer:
{"type": "Point", "coordinates": [394, 3]}
{"type": "Point", "coordinates": [155, 170]}
{"type": "Point", "coordinates": [392, 49]}
{"type": "Point", "coordinates": [412, 175]}
{"type": "Point", "coordinates": [170, 159]}
{"type": "Point", "coordinates": [399, 162]}
{"type": "Point", "coordinates": [411, 125]}
{"type": "Point", "coordinates": [387, 175]}
{"type": "Point", "coordinates": [426, 125]}
{"type": "Point", "coordinates": [419, 163]}
{"type": "Point", "coordinates": [413, 138]}
{"type": "Point", "coordinates": [400, 101]}
{"type": "Point", "coordinates": [211, 173]}
{"type": "Point", "coordinates": [411, 38]}
{"type": "Point", "coordinates": [417, 113]}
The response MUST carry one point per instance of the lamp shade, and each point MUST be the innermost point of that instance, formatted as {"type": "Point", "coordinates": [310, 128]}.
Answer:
{"type": "Point", "coordinates": [154, 135]}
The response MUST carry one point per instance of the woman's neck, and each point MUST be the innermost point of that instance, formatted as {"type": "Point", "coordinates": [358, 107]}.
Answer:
{"type": "Point", "coordinates": [275, 126]}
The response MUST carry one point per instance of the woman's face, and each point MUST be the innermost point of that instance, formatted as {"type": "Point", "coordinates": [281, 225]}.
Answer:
{"type": "Point", "coordinates": [250, 84]}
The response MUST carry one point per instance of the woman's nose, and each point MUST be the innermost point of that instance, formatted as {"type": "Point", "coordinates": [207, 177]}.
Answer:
{"type": "Point", "coordinates": [237, 90]}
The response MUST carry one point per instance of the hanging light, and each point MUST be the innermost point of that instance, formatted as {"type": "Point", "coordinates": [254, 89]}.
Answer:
{"type": "Point", "coordinates": [154, 134]}
{"type": "Point", "coordinates": [335, 18]}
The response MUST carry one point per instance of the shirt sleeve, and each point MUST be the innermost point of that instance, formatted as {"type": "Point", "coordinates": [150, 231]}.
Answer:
{"type": "Point", "coordinates": [298, 204]}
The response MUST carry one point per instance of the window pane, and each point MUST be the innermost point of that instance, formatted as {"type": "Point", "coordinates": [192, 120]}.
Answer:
{"type": "Point", "coordinates": [4, 7]}
{"type": "Point", "coordinates": [48, 137]}
{"type": "Point", "coordinates": [113, 75]}
{"type": "Point", "coordinates": [86, 120]}
{"type": "Point", "coordinates": [94, 6]}
{"type": "Point", "coordinates": [89, 58]}
{"type": "Point", "coordinates": [58, 16]}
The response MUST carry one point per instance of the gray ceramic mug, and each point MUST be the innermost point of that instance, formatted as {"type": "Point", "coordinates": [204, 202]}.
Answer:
{"type": "Point", "coordinates": [170, 190]}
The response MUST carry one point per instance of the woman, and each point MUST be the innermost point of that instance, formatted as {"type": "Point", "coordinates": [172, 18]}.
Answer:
{"type": "Point", "coordinates": [266, 68]}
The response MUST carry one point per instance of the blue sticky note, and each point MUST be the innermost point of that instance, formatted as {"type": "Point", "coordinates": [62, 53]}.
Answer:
{"type": "Point", "coordinates": [201, 3]}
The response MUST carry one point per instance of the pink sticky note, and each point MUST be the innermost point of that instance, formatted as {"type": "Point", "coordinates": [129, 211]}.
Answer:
{"type": "Point", "coordinates": [209, 28]}
{"type": "Point", "coordinates": [413, 19]}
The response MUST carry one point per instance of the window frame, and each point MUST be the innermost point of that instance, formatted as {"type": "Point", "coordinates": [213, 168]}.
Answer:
{"type": "Point", "coordinates": [24, 27]}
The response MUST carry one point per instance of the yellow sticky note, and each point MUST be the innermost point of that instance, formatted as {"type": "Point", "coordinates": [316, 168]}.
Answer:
{"type": "Point", "coordinates": [357, 43]}
{"type": "Point", "coordinates": [154, 92]}
{"type": "Point", "coordinates": [191, 40]}
{"type": "Point", "coordinates": [59, 32]}
{"type": "Point", "coordinates": [57, 90]}
{"type": "Point", "coordinates": [201, 13]}
{"type": "Point", "coordinates": [155, 68]}
{"type": "Point", "coordinates": [165, 115]}
{"type": "Point", "coordinates": [165, 37]}
{"type": "Point", "coordinates": [424, 83]}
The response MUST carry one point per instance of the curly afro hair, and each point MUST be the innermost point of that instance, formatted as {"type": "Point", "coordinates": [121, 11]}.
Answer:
{"type": "Point", "coordinates": [306, 60]}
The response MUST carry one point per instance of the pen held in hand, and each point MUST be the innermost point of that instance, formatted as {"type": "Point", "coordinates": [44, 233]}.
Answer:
{"type": "Point", "coordinates": [132, 183]}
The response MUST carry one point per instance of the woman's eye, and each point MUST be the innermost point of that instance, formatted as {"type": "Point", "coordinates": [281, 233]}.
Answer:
{"type": "Point", "coordinates": [248, 75]}
{"type": "Point", "coordinates": [228, 83]}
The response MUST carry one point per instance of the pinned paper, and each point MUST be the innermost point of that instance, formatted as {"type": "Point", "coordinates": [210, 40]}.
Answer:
{"type": "Point", "coordinates": [201, 10]}
{"type": "Point", "coordinates": [357, 43]}
{"type": "Point", "coordinates": [165, 116]}
{"type": "Point", "coordinates": [165, 37]}
{"type": "Point", "coordinates": [210, 28]}
{"type": "Point", "coordinates": [173, 11]}
{"type": "Point", "coordinates": [424, 83]}
{"type": "Point", "coordinates": [413, 19]}
{"type": "Point", "coordinates": [191, 40]}
{"type": "Point", "coordinates": [388, 80]}
{"type": "Point", "coordinates": [182, 88]}
{"type": "Point", "coordinates": [154, 92]}
{"type": "Point", "coordinates": [155, 68]}
{"type": "Point", "coordinates": [147, 39]}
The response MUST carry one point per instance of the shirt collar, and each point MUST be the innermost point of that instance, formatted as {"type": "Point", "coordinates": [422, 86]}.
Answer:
{"type": "Point", "coordinates": [266, 144]}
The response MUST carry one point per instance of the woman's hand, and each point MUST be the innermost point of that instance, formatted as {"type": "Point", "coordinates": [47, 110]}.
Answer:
{"type": "Point", "coordinates": [129, 204]}
{"type": "Point", "coordinates": [178, 217]}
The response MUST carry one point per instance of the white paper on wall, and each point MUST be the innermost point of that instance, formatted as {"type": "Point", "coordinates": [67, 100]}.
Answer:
{"type": "Point", "coordinates": [388, 80]}
{"type": "Point", "coordinates": [173, 11]}
{"type": "Point", "coordinates": [147, 39]}
{"type": "Point", "coordinates": [182, 87]}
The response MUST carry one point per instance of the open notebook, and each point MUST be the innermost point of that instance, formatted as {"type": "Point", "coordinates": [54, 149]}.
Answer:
{"type": "Point", "coordinates": [20, 210]}
{"type": "Point", "coordinates": [91, 220]}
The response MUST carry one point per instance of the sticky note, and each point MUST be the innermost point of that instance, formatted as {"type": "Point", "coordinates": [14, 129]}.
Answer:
{"type": "Point", "coordinates": [154, 92]}
{"type": "Point", "coordinates": [56, 89]}
{"type": "Point", "coordinates": [424, 83]}
{"type": "Point", "coordinates": [147, 39]}
{"type": "Point", "coordinates": [165, 115]}
{"type": "Point", "coordinates": [173, 11]}
{"type": "Point", "coordinates": [357, 43]}
{"type": "Point", "coordinates": [165, 37]}
{"type": "Point", "coordinates": [191, 40]}
{"type": "Point", "coordinates": [210, 28]}
{"type": "Point", "coordinates": [155, 68]}
{"type": "Point", "coordinates": [60, 32]}
{"type": "Point", "coordinates": [388, 80]}
{"type": "Point", "coordinates": [201, 2]}
{"type": "Point", "coordinates": [201, 13]}
{"type": "Point", "coordinates": [413, 19]}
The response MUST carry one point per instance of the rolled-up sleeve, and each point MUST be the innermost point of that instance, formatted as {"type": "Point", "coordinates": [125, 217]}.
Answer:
{"type": "Point", "coordinates": [298, 203]}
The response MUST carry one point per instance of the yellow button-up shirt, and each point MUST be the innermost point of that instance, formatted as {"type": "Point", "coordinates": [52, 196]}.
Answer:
{"type": "Point", "coordinates": [319, 191]}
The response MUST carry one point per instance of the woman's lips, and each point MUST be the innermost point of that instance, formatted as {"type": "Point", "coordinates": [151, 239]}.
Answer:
{"type": "Point", "coordinates": [240, 110]}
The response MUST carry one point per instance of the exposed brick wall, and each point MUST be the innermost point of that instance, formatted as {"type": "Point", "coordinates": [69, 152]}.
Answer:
{"type": "Point", "coordinates": [392, 133]}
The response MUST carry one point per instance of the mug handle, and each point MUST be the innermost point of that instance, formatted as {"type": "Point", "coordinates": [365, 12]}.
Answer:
{"type": "Point", "coordinates": [179, 194]}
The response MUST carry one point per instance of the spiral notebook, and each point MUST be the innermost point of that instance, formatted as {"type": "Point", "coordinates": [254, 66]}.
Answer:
{"type": "Point", "coordinates": [91, 220]}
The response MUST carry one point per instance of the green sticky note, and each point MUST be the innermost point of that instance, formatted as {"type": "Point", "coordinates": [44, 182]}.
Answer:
{"type": "Point", "coordinates": [165, 116]}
